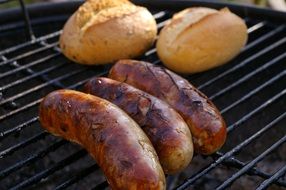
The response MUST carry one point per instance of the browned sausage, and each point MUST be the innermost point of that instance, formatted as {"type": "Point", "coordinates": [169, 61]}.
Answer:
{"type": "Point", "coordinates": [166, 129]}
{"type": "Point", "coordinates": [117, 143]}
{"type": "Point", "coordinates": [204, 120]}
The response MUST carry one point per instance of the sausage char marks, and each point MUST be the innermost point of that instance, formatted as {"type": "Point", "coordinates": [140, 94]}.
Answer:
{"type": "Point", "coordinates": [165, 128]}
{"type": "Point", "coordinates": [117, 143]}
{"type": "Point", "coordinates": [203, 118]}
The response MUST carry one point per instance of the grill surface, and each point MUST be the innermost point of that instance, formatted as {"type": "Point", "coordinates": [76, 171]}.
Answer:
{"type": "Point", "coordinates": [249, 91]}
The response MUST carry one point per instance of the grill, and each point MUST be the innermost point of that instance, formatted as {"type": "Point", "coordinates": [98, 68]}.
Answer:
{"type": "Point", "coordinates": [249, 91]}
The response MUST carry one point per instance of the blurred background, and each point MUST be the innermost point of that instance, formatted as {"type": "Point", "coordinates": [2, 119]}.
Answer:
{"type": "Point", "coordinates": [273, 4]}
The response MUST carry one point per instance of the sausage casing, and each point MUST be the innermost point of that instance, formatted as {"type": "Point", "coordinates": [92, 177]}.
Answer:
{"type": "Point", "coordinates": [117, 143]}
{"type": "Point", "coordinates": [203, 118]}
{"type": "Point", "coordinates": [165, 128]}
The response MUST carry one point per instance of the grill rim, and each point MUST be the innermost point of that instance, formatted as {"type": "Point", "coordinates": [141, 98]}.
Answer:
{"type": "Point", "coordinates": [35, 10]}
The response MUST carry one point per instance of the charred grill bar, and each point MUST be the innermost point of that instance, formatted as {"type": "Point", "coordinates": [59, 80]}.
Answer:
{"type": "Point", "coordinates": [250, 92]}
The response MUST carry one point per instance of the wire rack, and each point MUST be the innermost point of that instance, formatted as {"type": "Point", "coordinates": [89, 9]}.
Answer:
{"type": "Point", "coordinates": [249, 91]}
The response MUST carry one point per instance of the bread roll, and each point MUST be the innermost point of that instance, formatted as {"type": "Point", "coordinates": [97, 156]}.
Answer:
{"type": "Point", "coordinates": [198, 39]}
{"type": "Point", "coordinates": [102, 31]}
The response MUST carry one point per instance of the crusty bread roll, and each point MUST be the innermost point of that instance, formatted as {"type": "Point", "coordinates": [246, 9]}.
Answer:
{"type": "Point", "coordinates": [102, 31]}
{"type": "Point", "coordinates": [198, 39]}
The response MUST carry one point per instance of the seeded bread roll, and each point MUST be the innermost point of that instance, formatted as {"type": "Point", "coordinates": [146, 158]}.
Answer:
{"type": "Point", "coordinates": [198, 39]}
{"type": "Point", "coordinates": [102, 31]}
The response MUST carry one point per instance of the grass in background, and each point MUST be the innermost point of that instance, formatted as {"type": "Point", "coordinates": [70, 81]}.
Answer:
{"type": "Point", "coordinates": [15, 3]}
{"type": "Point", "coordinates": [256, 2]}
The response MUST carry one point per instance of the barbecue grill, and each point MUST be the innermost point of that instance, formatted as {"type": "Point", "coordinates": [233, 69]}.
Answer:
{"type": "Point", "coordinates": [250, 92]}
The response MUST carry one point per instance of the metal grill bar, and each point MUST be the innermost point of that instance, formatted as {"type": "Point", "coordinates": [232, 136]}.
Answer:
{"type": "Point", "coordinates": [38, 136]}
{"type": "Point", "coordinates": [18, 80]}
{"type": "Point", "coordinates": [29, 160]}
{"type": "Point", "coordinates": [28, 70]}
{"type": "Point", "coordinates": [259, 133]}
{"type": "Point", "coordinates": [256, 90]}
{"type": "Point", "coordinates": [2, 75]}
{"type": "Point", "coordinates": [37, 156]}
{"type": "Point", "coordinates": [10, 99]}
{"type": "Point", "coordinates": [51, 170]}
{"type": "Point", "coordinates": [251, 164]}
{"type": "Point", "coordinates": [233, 162]}
{"type": "Point", "coordinates": [27, 20]}
{"type": "Point", "coordinates": [264, 37]}
{"type": "Point", "coordinates": [30, 141]}
{"type": "Point", "coordinates": [230, 153]}
{"type": "Point", "coordinates": [36, 74]}
{"type": "Point", "coordinates": [151, 50]}
{"type": "Point", "coordinates": [253, 112]}
{"type": "Point", "coordinates": [162, 24]}
{"type": "Point", "coordinates": [157, 16]}
{"type": "Point", "coordinates": [26, 44]}
{"type": "Point", "coordinates": [44, 48]}
{"type": "Point", "coordinates": [27, 106]}
{"type": "Point", "coordinates": [248, 76]}
{"type": "Point", "coordinates": [80, 83]}
{"type": "Point", "coordinates": [55, 34]}
{"type": "Point", "coordinates": [18, 128]}
{"type": "Point", "coordinates": [256, 26]}
{"type": "Point", "coordinates": [19, 95]}
{"type": "Point", "coordinates": [45, 71]}
{"type": "Point", "coordinates": [243, 63]}
{"type": "Point", "coordinates": [160, 14]}
{"type": "Point", "coordinates": [85, 172]}
{"type": "Point", "coordinates": [272, 179]}
{"type": "Point", "coordinates": [38, 50]}
{"type": "Point", "coordinates": [22, 144]}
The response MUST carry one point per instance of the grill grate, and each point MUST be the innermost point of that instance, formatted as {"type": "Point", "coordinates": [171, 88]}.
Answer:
{"type": "Point", "coordinates": [249, 91]}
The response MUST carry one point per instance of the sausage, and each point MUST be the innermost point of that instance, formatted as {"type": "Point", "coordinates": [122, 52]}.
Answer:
{"type": "Point", "coordinates": [165, 128]}
{"type": "Point", "coordinates": [117, 143]}
{"type": "Point", "coordinates": [203, 118]}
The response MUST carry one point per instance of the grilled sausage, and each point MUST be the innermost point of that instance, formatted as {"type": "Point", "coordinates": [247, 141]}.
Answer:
{"type": "Point", "coordinates": [204, 120]}
{"type": "Point", "coordinates": [165, 128]}
{"type": "Point", "coordinates": [117, 143]}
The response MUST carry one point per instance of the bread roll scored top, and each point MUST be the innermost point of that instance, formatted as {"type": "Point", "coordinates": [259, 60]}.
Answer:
{"type": "Point", "coordinates": [102, 31]}
{"type": "Point", "coordinates": [197, 39]}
